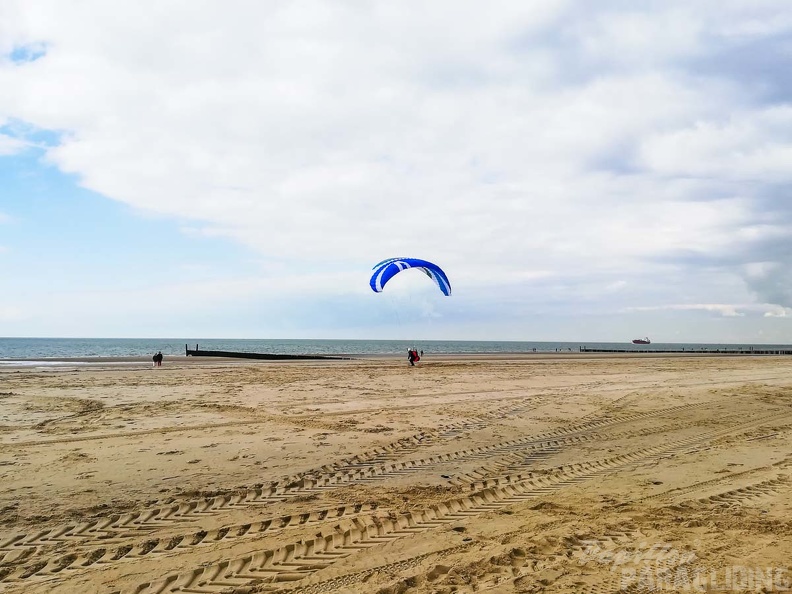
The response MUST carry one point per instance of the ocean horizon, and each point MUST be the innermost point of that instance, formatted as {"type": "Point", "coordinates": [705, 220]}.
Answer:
{"type": "Point", "coordinates": [58, 348]}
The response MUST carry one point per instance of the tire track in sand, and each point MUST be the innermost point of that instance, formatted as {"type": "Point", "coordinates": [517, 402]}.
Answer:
{"type": "Point", "coordinates": [114, 530]}
{"type": "Point", "coordinates": [270, 569]}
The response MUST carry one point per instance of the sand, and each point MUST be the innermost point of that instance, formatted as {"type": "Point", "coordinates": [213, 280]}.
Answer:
{"type": "Point", "coordinates": [463, 474]}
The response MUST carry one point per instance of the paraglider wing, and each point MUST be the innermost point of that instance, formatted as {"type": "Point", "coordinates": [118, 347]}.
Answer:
{"type": "Point", "coordinates": [387, 269]}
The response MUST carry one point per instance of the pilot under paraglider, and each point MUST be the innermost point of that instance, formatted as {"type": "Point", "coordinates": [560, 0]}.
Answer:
{"type": "Point", "coordinates": [387, 269]}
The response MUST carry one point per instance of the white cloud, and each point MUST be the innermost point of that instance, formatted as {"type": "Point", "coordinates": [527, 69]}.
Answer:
{"type": "Point", "coordinates": [754, 145]}
{"type": "Point", "coordinates": [10, 146]}
{"type": "Point", "coordinates": [724, 309]}
{"type": "Point", "coordinates": [544, 142]}
{"type": "Point", "coordinates": [778, 312]}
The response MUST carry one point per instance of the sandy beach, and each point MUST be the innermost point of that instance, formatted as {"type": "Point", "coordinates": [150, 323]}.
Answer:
{"type": "Point", "coordinates": [573, 473]}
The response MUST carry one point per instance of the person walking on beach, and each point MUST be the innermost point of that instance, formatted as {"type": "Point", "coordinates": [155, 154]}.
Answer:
{"type": "Point", "coordinates": [158, 359]}
{"type": "Point", "coordinates": [411, 357]}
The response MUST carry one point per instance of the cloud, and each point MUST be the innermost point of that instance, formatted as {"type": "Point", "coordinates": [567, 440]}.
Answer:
{"type": "Point", "coordinates": [752, 146]}
{"type": "Point", "coordinates": [582, 150]}
{"type": "Point", "coordinates": [723, 309]}
{"type": "Point", "coordinates": [11, 146]}
{"type": "Point", "coordinates": [773, 281]}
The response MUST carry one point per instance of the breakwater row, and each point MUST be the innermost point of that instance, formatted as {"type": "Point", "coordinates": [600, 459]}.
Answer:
{"type": "Point", "coordinates": [693, 351]}
{"type": "Point", "coordinates": [196, 352]}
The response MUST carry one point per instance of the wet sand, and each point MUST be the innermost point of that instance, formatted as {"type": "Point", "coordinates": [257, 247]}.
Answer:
{"type": "Point", "coordinates": [532, 473]}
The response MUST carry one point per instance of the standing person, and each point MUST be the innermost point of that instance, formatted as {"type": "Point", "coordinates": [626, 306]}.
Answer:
{"type": "Point", "coordinates": [159, 359]}
{"type": "Point", "coordinates": [154, 359]}
{"type": "Point", "coordinates": [421, 352]}
{"type": "Point", "coordinates": [411, 357]}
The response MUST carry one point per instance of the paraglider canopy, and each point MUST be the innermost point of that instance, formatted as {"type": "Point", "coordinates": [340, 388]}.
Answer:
{"type": "Point", "coordinates": [387, 269]}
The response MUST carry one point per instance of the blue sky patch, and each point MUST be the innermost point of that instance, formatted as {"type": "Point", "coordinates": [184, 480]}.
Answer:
{"type": "Point", "coordinates": [28, 53]}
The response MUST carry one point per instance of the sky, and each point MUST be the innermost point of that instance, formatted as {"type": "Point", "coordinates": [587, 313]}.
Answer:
{"type": "Point", "coordinates": [582, 171]}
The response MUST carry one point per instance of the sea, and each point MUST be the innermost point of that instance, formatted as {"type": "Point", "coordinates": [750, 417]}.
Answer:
{"type": "Point", "coordinates": [41, 349]}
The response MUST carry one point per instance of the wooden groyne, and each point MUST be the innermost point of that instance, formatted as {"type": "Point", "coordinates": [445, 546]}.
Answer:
{"type": "Point", "coordinates": [702, 351]}
{"type": "Point", "coordinates": [196, 352]}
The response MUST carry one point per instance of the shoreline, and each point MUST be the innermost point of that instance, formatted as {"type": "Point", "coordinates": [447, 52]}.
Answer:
{"type": "Point", "coordinates": [181, 360]}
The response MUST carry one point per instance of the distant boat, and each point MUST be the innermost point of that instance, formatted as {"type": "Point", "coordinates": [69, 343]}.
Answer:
{"type": "Point", "coordinates": [642, 341]}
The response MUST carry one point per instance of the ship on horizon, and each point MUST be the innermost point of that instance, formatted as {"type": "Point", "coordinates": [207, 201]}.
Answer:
{"type": "Point", "coordinates": [642, 341]}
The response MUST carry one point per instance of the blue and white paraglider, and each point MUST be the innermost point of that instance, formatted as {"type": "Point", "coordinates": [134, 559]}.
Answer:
{"type": "Point", "coordinates": [387, 269]}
